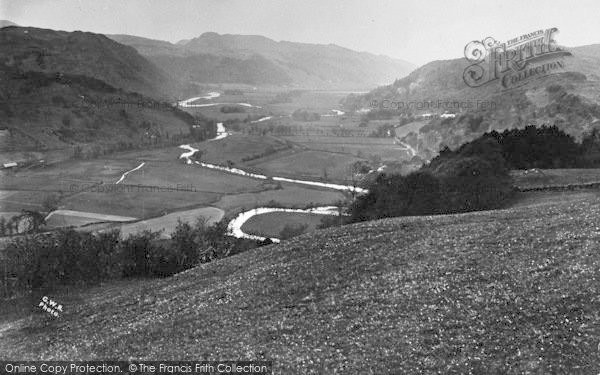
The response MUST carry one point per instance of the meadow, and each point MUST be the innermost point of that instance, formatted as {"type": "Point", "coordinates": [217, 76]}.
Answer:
{"type": "Point", "coordinates": [271, 224]}
{"type": "Point", "coordinates": [537, 178]}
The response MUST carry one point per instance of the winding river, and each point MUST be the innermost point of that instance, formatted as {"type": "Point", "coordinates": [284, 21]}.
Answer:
{"type": "Point", "coordinates": [235, 226]}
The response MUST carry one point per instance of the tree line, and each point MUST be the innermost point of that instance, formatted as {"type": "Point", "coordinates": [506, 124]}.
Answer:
{"type": "Point", "coordinates": [69, 257]}
{"type": "Point", "coordinates": [476, 175]}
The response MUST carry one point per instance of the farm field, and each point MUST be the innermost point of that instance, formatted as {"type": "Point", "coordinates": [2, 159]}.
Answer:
{"type": "Point", "coordinates": [289, 196]}
{"type": "Point", "coordinates": [191, 178]}
{"type": "Point", "coordinates": [166, 224]}
{"type": "Point", "coordinates": [65, 218]}
{"type": "Point", "coordinates": [57, 176]}
{"type": "Point", "coordinates": [139, 204]}
{"type": "Point", "coordinates": [554, 177]}
{"type": "Point", "coordinates": [237, 147]}
{"type": "Point", "coordinates": [318, 101]}
{"type": "Point", "coordinates": [425, 287]}
{"type": "Point", "coordinates": [269, 225]}
{"type": "Point", "coordinates": [17, 200]}
{"type": "Point", "coordinates": [356, 146]}
{"type": "Point", "coordinates": [311, 165]}
{"type": "Point", "coordinates": [540, 198]}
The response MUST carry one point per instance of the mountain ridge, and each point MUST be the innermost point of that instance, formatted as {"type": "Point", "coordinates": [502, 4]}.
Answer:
{"type": "Point", "coordinates": [292, 63]}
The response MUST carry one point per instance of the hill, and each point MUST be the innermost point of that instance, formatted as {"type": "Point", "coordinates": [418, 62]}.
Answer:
{"type": "Point", "coordinates": [566, 98]}
{"type": "Point", "coordinates": [6, 23]}
{"type": "Point", "coordinates": [83, 53]}
{"type": "Point", "coordinates": [81, 95]}
{"type": "Point", "coordinates": [511, 291]}
{"type": "Point", "coordinates": [257, 60]}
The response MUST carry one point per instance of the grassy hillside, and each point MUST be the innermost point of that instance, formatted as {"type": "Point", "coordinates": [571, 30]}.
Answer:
{"type": "Point", "coordinates": [512, 291]}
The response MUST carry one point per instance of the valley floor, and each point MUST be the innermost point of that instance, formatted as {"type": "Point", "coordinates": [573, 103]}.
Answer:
{"type": "Point", "coordinates": [508, 291]}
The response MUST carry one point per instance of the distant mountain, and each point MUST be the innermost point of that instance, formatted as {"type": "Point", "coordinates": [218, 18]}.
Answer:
{"type": "Point", "coordinates": [567, 98]}
{"type": "Point", "coordinates": [214, 58]}
{"type": "Point", "coordinates": [84, 53]}
{"type": "Point", "coordinates": [5, 23]}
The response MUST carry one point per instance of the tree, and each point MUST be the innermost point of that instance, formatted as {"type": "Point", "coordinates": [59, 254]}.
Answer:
{"type": "Point", "coordinates": [34, 220]}
{"type": "Point", "coordinates": [184, 246]}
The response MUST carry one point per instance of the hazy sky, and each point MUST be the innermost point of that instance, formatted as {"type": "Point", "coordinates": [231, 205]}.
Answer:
{"type": "Point", "coordinates": [415, 30]}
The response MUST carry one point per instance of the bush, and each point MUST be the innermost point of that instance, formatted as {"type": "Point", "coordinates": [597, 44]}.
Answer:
{"type": "Point", "coordinates": [532, 147]}
{"type": "Point", "coordinates": [304, 115]}
{"type": "Point", "coordinates": [475, 177]}
{"type": "Point", "coordinates": [473, 184]}
{"type": "Point", "coordinates": [69, 257]}
{"type": "Point", "coordinates": [65, 257]}
{"type": "Point", "coordinates": [394, 195]}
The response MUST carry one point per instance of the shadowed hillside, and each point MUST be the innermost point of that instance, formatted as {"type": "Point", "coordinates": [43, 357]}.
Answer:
{"type": "Point", "coordinates": [83, 53]}
{"type": "Point", "coordinates": [81, 95]}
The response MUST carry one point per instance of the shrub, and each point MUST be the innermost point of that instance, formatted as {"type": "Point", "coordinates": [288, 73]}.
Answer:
{"type": "Point", "coordinates": [394, 195]}
{"type": "Point", "coordinates": [69, 257]}
{"type": "Point", "coordinates": [475, 177]}
{"type": "Point", "coordinates": [184, 249]}
{"type": "Point", "coordinates": [304, 115]}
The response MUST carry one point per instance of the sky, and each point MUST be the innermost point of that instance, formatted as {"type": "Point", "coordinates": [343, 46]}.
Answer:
{"type": "Point", "coordinates": [418, 31]}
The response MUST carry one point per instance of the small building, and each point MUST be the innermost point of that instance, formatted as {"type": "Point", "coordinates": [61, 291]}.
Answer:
{"type": "Point", "coordinates": [10, 165]}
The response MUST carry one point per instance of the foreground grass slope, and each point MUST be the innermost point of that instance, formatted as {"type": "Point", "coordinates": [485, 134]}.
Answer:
{"type": "Point", "coordinates": [510, 291]}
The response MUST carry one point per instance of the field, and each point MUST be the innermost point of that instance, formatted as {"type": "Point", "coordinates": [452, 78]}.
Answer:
{"type": "Point", "coordinates": [360, 147]}
{"type": "Point", "coordinates": [536, 178]}
{"type": "Point", "coordinates": [289, 196]}
{"type": "Point", "coordinates": [65, 218]}
{"type": "Point", "coordinates": [313, 165]}
{"type": "Point", "coordinates": [270, 225]}
{"type": "Point", "coordinates": [139, 204]}
{"type": "Point", "coordinates": [165, 224]}
{"type": "Point", "coordinates": [511, 291]}
{"type": "Point", "coordinates": [238, 147]}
